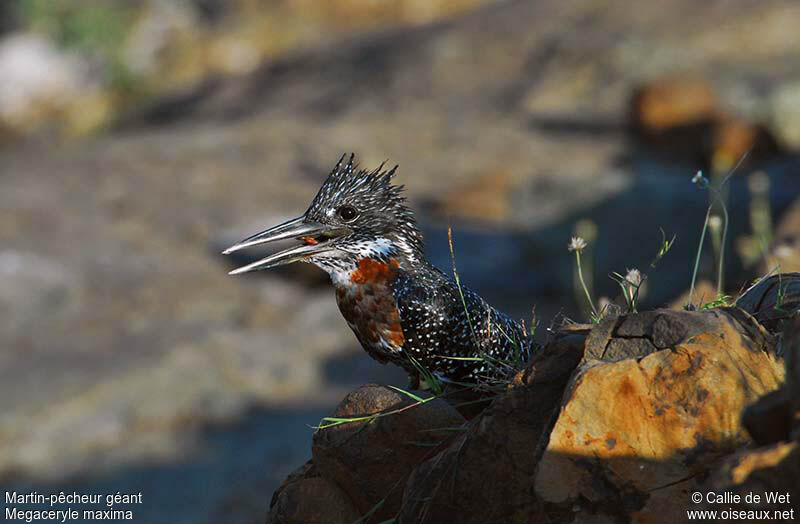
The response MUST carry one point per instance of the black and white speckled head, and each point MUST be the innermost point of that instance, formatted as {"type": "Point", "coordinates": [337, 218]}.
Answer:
{"type": "Point", "coordinates": [371, 208]}
{"type": "Point", "coordinates": [356, 214]}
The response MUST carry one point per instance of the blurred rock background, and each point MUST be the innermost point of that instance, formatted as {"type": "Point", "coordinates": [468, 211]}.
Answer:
{"type": "Point", "coordinates": [138, 138]}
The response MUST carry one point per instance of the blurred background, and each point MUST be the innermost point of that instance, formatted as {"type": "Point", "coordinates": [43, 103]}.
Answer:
{"type": "Point", "coordinates": [138, 138]}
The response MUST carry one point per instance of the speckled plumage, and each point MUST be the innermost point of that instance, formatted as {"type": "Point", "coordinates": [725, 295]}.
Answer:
{"type": "Point", "coordinates": [437, 326]}
{"type": "Point", "coordinates": [401, 308]}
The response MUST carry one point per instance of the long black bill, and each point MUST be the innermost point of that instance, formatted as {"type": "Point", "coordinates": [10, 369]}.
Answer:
{"type": "Point", "coordinates": [314, 234]}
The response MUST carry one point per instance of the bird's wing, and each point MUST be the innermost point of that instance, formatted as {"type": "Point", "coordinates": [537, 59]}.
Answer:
{"type": "Point", "coordinates": [449, 330]}
{"type": "Point", "coordinates": [427, 318]}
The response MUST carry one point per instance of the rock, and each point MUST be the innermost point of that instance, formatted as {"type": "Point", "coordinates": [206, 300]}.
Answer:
{"type": "Point", "coordinates": [771, 469]}
{"type": "Point", "coordinates": [484, 199]}
{"type": "Point", "coordinates": [291, 501]}
{"type": "Point", "coordinates": [683, 117]}
{"type": "Point", "coordinates": [774, 420]}
{"type": "Point", "coordinates": [672, 102]}
{"type": "Point", "coordinates": [768, 420]}
{"type": "Point", "coordinates": [734, 137]}
{"type": "Point", "coordinates": [790, 344]}
{"type": "Point", "coordinates": [486, 473]}
{"type": "Point", "coordinates": [635, 336]}
{"type": "Point", "coordinates": [776, 416]}
{"type": "Point", "coordinates": [772, 300]}
{"type": "Point", "coordinates": [371, 460]}
{"type": "Point", "coordinates": [618, 425]}
{"type": "Point", "coordinates": [654, 403]}
{"type": "Point", "coordinates": [553, 362]}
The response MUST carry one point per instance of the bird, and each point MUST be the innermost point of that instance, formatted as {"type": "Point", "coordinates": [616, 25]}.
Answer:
{"type": "Point", "coordinates": [402, 309]}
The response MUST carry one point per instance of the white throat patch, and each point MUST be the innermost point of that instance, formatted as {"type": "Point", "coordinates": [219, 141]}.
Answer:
{"type": "Point", "coordinates": [340, 268]}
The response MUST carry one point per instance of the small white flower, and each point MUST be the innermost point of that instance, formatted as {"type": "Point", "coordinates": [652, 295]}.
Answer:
{"type": "Point", "coordinates": [576, 244]}
{"type": "Point", "coordinates": [634, 277]}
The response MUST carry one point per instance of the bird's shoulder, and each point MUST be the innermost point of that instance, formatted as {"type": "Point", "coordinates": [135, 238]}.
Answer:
{"type": "Point", "coordinates": [421, 295]}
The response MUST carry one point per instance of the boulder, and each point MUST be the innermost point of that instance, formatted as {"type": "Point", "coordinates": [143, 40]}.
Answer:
{"type": "Point", "coordinates": [672, 102]}
{"type": "Point", "coordinates": [683, 117]}
{"type": "Point", "coordinates": [766, 478]}
{"type": "Point", "coordinates": [619, 421]}
{"type": "Point", "coordinates": [371, 460]}
{"type": "Point", "coordinates": [772, 300]}
{"type": "Point", "coordinates": [773, 469]}
{"type": "Point", "coordinates": [292, 501]}
{"type": "Point", "coordinates": [484, 199]}
{"type": "Point", "coordinates": [655, 402]}
{"type": "Point", "coordinates": [485, 474]}
{"type": "Point", "coordinates": [769, 419]}
{"type": "Point", "coordinates": [790, 345]}
{"type": "Point", "coordinates": [775, 417]}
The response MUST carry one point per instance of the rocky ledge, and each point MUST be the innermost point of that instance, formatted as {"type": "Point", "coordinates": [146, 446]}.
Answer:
{"type": "Point", "coordinates": [622, 422]}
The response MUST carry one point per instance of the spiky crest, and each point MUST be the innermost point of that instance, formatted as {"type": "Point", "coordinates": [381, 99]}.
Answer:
{"type": "Point", "coordinates": [381, 206]}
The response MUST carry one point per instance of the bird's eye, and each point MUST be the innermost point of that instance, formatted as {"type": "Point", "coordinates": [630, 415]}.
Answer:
{"type": "Point", "coordinates": [347, 213]}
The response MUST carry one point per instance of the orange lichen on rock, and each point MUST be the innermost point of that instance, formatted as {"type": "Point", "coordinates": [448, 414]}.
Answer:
{"type": "Point", "coordinates": [672, 102]}
{"type": "Point", "coordinates": [653, 421]}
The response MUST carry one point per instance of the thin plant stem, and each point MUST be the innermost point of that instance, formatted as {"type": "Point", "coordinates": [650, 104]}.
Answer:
{"type": "Point", "coordinates": [699, 252]}
{"type": "Point", "coordinates": [583, 283]}
{"type": "Point", "coordinates": [718, 196]}
{"type": "Point", "coordinates": [458, 285]}
{"type": "Point", "coordinates": [724, 230]}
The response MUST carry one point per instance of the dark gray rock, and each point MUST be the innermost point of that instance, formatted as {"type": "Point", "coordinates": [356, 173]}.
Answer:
{"type": "Point", "coordinates": [371, 460]}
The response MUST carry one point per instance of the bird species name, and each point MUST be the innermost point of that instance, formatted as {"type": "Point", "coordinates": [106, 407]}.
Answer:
{"type": "Point", "coordinates": [106, 512]}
